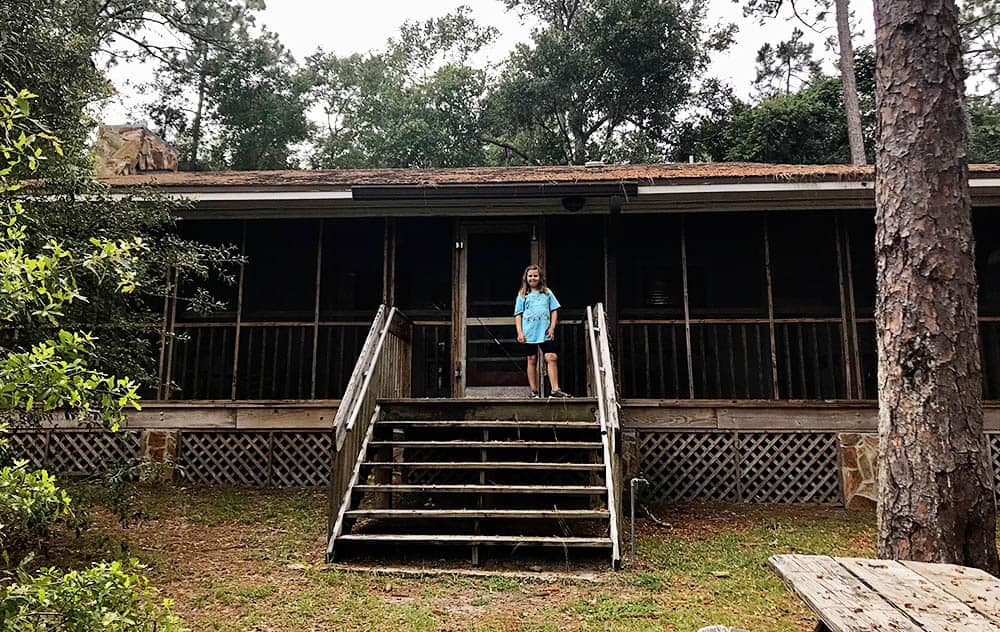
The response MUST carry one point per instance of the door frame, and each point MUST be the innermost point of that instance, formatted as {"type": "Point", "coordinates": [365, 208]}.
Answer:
{"type": "Point", "coordinates": [462, 229]}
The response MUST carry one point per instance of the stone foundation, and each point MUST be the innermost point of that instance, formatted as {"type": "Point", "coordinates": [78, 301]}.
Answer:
{"type": "Point", "coordinates": [859, 469]}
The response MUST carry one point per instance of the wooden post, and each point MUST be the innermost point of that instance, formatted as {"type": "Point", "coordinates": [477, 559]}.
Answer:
{"type": "Point", "coordinates": [167, 347]}
{"type": "Point", "coordinates": [389, 263]}
{"type": "Point", "coordinates": [239, 310]}
{"type": "Point", "coordinates": [852, 312]}
{"type": "Point", "coordinates": [770, 310]}
{"type": "Point", "coordinates": [687, 308]}
{"type": "Point", "coordinates": [319, 275]}
{"type": "Point", "coordinates": [458, 311]}
{"type": "Point", "coordinates": [612, 226]}
{"type": "Point", "coordinates": [844, 309]}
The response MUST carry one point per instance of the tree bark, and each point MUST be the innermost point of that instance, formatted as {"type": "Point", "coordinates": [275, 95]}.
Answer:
{"type": "Point", "coordinates": [851, 107]}
{"type": "Point", "coordinates": [936, 498]}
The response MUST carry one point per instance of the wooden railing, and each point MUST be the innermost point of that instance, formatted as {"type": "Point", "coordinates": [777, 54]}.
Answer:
{"type": "Point", "coordinates": [735, 358]}
{"type": "Point", "coordinates": [382, 371]}
{"type": "Point", "coordinates": [602, 386]}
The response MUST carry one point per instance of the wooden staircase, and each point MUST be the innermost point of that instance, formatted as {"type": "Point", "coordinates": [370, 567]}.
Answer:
{"type": "Point", "coordinates": [472, 473]}
{"type": "Point", "coordinates": [506, 474]}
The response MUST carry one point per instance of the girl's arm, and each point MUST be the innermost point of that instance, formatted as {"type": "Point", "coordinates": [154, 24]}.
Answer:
{"type": "Point", "coordinates": [520, 329]}
{"type": "Point", "coordinates": [553, 319]}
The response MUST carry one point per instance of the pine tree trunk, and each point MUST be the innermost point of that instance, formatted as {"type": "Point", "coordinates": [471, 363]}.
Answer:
{"type": "Point", "coordinates": [196, 124]}
{"type": "Point", "coordinates": [851, 107]}
{"type": "Point", "coordinates": [935, 484]}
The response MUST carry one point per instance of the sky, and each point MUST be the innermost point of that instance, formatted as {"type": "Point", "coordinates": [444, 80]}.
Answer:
{"type": "Point", "coordinates": [350, 26]}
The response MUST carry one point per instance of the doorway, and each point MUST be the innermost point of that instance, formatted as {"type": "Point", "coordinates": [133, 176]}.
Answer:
{"type": "Point", "coordinates": [491, 257]}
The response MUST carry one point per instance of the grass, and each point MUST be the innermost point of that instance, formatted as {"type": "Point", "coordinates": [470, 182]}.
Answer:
{"type": "Point", "coordinates": [237, 559]}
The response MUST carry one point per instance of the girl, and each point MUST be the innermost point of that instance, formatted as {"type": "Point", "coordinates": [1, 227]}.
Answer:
{"type": "Point", "coordinates": [536, 312]}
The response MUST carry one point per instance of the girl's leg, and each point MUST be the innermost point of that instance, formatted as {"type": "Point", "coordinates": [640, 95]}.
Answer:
{"type": "Point", "coordinates": [552, 363]}
{"type": "Point", "coordinates": [532, 374]}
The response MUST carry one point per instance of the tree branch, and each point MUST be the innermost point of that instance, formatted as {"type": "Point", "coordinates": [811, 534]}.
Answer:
{"type": "Point", "coordinates": [510, 147]}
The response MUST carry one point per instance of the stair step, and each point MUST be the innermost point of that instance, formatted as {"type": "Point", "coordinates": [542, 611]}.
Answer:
{"type": "Point", "coordinates": [590, 445]}
{"type": "Point", "coordinates": [472, 423]}
{"type": "Point", "coordinates": [594, 490]}
{"type": "Point", "coordinates": [480, 540]}
{"type": "Point", "coordinates": [487, 465]}
{"type": "Point", "coordinates": [568, 514]}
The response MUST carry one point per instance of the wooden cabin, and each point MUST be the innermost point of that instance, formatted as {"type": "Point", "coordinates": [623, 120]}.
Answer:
{"type": "Point", "coordinates": [734, 282]}
{"type": "Point", "coordinates": [739, 301]}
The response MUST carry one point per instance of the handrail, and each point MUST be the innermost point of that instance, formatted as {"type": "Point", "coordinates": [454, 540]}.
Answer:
{"type": "Point", "coordinates": [382, 371]}
{"type": "Point", "coordinates": [603, 387]}
{"type": "Point", "coordinates": [352, 390]}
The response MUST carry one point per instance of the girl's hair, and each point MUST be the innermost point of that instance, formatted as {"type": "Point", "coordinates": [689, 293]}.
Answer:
{"type": "Point", "coordinates": [524, 281]}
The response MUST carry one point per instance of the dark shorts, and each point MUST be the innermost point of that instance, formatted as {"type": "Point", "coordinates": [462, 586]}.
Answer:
{"type": "Point", "coordinates": [530, 349]}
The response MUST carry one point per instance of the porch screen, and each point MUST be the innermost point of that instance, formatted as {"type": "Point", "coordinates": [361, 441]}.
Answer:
{"type": "Point", "coordinates": [423, 290]}
{"type": "Point", "coordinates": [986, 224]}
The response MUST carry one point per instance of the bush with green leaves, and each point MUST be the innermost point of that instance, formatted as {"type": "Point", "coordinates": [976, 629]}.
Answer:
{"type": "Point", "coordinates": [54, 376]}
{"type": "Point", "coordinates": [30, 503]}
{"type": "Point", "coordinates": [111, 597]}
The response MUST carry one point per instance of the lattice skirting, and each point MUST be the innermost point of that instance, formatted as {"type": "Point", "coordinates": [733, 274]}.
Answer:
{"type": "Point", "coordinates": [780, 467]}
{"type": "Point", "coordinates": [262, 458]}
{"type": "Point", "coordinates": [74, 452]}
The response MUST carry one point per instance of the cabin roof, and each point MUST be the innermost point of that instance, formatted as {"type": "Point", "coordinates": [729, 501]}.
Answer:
{"type": "Point", "coordinates": [651, 174]}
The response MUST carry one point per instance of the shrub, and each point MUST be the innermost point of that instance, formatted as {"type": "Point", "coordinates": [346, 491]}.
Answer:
{"type": "Point", "coordinates": [108, 597]}
{"type": "Point", "coordinates": [30, 503]}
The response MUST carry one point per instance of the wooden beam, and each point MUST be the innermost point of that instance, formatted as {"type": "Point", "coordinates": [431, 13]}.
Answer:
{"type": "Point", "coordinates": [844, 308]}
{"type": "Point", "coordinates": [770, 310]}
{"type": "Point", "coordinates": [458, 333]}
{"type": "Point", "coordinates": [316, 299]}
{"type": "Point", "coordinates": [239, 311]}
{"type": "Point", "coordinates": [687, 309]}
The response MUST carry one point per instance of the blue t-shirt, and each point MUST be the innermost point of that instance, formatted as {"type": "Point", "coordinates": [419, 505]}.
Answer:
{"type": "Point", "coordinates": [535, 309]}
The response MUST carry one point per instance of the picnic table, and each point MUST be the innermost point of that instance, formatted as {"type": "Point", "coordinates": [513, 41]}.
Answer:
{"type": "Point", "coordinates": [854, 594]}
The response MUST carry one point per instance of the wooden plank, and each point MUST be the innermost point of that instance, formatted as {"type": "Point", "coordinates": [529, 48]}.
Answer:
{"type": "Point", "coordinates": [975, 588]}
{"type": "Point", "coordinates": [590, 445]}
{"type": "Point", "coordinates": [487, 489]}
{"type": "Point", "coordinates": [654, 417]}
{"type": "Point", "coordinates": [187, 418]}
{"type": "Point", "coordinates": [858, 420]}
{"type": "Point", "coordinates": [486, 465]}
{"type": "Point", "coordinates": [567, 514]}
{"type": "Point", "coordinates": [921, 599]}
{"type": "Point", "coordinates": [285, 418]}
{"type": "Point", "coordinates": [842, 601]}
{"type": "Point", "coordinates": [479, 540]}
{"type": "Point", "coordinates": [485, 423]}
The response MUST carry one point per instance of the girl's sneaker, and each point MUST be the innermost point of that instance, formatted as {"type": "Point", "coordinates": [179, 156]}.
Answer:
{"type": "Point", "coordinates": [559, 393]}
{"type": "Point", "coordinates": [534, 395]}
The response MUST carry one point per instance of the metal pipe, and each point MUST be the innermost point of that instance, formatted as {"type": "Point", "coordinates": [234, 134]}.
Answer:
{"type": "Point", "coordinates": [633, 484]}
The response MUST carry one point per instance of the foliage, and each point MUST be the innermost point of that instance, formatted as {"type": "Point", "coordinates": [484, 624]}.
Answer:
{"type": "Point", "coordinates": [30, 503]}
{"type": "Point", "coordinates": [416, 103]}
{"type": "Point", "coordinates": [980, 25]}
{"type": "Point", "coordinates": [984, 129]}
{"type": "Point", "coordinates": [37, 286]}
{"type": "Point", "coordinates": [780, 65]}
{"type": "Point", "coordinates": [180, 105]}
{"type": "Point", "coordinates": [601, 79]}
{"type": "Point", "coordinates": [47, 46]}
{"type": "Point", "coordinates": [110, 596]}
{"type": "Point", "coordinates": [51, 48]}
{"type": "Point", "coordinates": [803, 127]}
{"type": "Point", "coordinates": [260, 106]}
